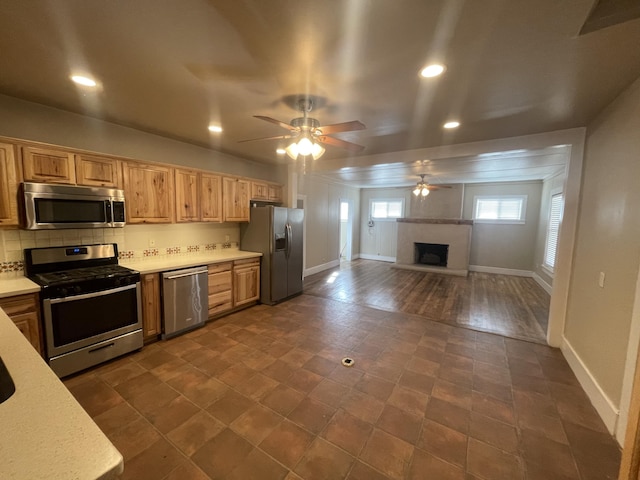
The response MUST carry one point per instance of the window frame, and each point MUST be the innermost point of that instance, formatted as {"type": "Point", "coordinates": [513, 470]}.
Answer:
{"type": "Point", "coordinates": [550, 269]}
{"type": "Point", "coordinates": [387, 200]}
{"type": "Point", "coordinates": [523, 209]}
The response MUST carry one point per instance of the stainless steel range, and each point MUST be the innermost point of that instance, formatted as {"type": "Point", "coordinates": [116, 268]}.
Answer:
{"type": "Point", "coordinates": [91, 306]}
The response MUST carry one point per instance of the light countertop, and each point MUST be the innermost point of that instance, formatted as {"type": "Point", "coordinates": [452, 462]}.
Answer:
{"type": "Point", "coordinates": [17, 286]}
{"type": "Point", "coordinates": [46, 434]}
{"type": "Point", "coordinates": [172, 262]}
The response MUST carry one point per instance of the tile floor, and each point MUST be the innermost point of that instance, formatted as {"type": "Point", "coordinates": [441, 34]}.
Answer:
{"type": "Point", "coordinates": [261, 394]}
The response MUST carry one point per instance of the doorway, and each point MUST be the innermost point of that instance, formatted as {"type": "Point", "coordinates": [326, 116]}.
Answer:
{"type": "Point", "coordinates": [346, 229]}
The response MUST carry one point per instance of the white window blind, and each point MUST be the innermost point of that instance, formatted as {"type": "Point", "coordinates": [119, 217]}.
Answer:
{"type": "Point", "coordinates": [555, 217]}
{"type": "Point", "coordinates": [502, 209]}
{"type": "Point", "coordinates": [386, 209]}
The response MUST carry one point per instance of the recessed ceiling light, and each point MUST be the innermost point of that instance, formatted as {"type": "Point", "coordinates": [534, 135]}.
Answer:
{"type": "Point", "coordinates": [281, 151]}
{"type": "Point", "coordinates": [451, 125]}
{"type": "Point", "coordinates": [432, 70]}
{"type": "Point", "coordinates": [84, 81]}
{"type": "Point", "coordinates": [215, 128]}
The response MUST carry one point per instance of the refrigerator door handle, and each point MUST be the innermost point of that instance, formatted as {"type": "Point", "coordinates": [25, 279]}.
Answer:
{"type": "Point", "coordinates": [289, 239]}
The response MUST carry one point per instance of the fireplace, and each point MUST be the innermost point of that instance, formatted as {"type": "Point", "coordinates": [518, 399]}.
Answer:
{"type": "Point", "coordinates": [434, 254]}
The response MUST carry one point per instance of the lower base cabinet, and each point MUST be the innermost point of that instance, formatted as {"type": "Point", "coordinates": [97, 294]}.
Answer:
{"type": "Point", "coordinates": [246, 281]}
{"type": "Point", "coordinates": [24, 311]}
{"type": "Point", "coordinates": [220, 288]}
{"type": "Point", "coordinates": [151, 306]}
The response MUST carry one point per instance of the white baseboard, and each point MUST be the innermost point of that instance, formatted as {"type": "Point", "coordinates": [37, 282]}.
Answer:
{"type": "Point", "coordinates": [501, 271]}
{"type": "Point", "coordinates": [321, 268]}
{"type": "Point", "coordinates": [603, 405]}
{"type": "Point", "coordinates": [366, 256]}
{"type": "Point", "coordinates": [540, 281]}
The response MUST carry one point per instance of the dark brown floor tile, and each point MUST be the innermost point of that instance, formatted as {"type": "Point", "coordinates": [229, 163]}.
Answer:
{"type": "Point", "coordinates": [452, 393]}
{"type": "Point", "coordinates": [258, 360]}
{"type": "Point", "coordinates": [495, 390]}
{"type": "Point", "coordinates": [492, 373]}
{"type": "Point", "coordinates": [329, 392]}
{"type": "Point", "coordinates": [492, 407]}
{"type": "Point", "coordinates": [191, 434]}
{"type": "Point", "coordinates": [461, 350]}
{"type": "Point", "coordinates": [486, 461]}
{"type": "Point", "coordinates": [167, 417]}
{"type": "Point", "coordinates": [453, 375]}
{"type": "Point", "coordinates": [256, 423]}
{"type": "Point", "coordinates": [257, 387]}
{"type": "Point", "coordinates": [584, 443]}
{"type": "Point", "coordinates": [449, 415]}
{"type": "Point", "coordinates": [96, 396]}
{"type": "Point", "coordinates": [200, 355]}
{"type": "Point", "coordinates": [429, 352]}
{"type": "Point", "coordinates": [362, 471]}
{"type": "Point", "coordinates": [346, 376]}
{"type": "Point", "coordinates": [171, 369]}
{"type": "Point", "coordinates": [277, 349]}
{"type": "Point", "coordinates": [458, 361]}
{"type": "Point", "coordinates": [312, 415]}
{"type": "Point", "coordinates": [133, 438]}
{"type": "Point", "coordinates": [347, 432]}
{"type": "Point", "coordinates": [554, 456]}
{"type": "Point", "coordinates": [158, 460]}
{"type": "Point", "coordinates": [230, 406]}
{"type": "Point", "coordinates": [287, 443]}
{"type": "Point", "coordinates": [574, 406]}
{"type": "Point", "coordinates": [181, 346]}
{"type": "Point", "coordinates": [376, 387]}
{"type": "Point", "coordinates": [296, 357]}
{"type": "Point", "coordinates": [187, 471]}
{"type": "Point", "coordinates": [443, 442]}
{"type": "Point", "coordinates": [303, 380]}
{"type": "Point", "coordinates": [279, 370]}
{"type": "Point", "coordinates": [527, 383]}
{"type": "Point", "coordinates": [400, 424]}
{"type": "Point", "coordinates": [388, 454]}
{"type": "Point", "coordinates": [205, 393]}
{"type": "Point", "coordinates": [323, 461]}
{"type": "Point", "coordinates": [363, 406]}
{"type": "Point", "coordinates": [408, 400]}
{"type": "Point", "coordinates": [258, 466]}
{"type": "Point", "coordinates": [116, 418]}
{"type": "Point", "coordinates": [545, 425]}
{"type": "Point", "coordinates": [528, 368]}
{"type": "Point", "coordinates": [495, 359]}
{"type": "Point", "coordinates": [416, 381]}
{"type": "Point", "coordinates": [537, 471]}
{"type": "Point", "coordinates": [156, 359]}
{"type": "Point", "coordinates": [493, 432]}
{"type": "Point", "coordinates": [214, 368]}
{"type": "Point", "coordinates": [534, 403]}
{"type": "Point", "coordinates": [122, 373]}
{"type": "Point", "coordinates": [154, 398]}
{"type": "Point", "coordinates": [320, 365]}
{"type": "Point", "coordinates": [236, 374]}
{"type": "Point", "coordinates": [423, 366]}
{"type": "Point", "coordinates": [282, 399]}
{"type": "Point", "coordinates": [222, 454]}
{"type": "Point", "coordinates": [426, 466]}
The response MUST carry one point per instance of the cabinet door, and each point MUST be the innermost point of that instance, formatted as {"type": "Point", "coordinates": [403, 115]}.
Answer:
{"type": "Point", "coordinates": [9, 180]}
{"type": "Point", "coordinates": [235, 193]}
{"type": "Point", "coordinates": [259, 191]}
{"type": "Point", "coordinates": [29, 325]}
{"type": "Point", "coordinates": [23, 310]}
{"type": "Point", "coordinates": [97, 171]}
{"type": "Point", "coordinates": [220, 292]}
{"type": "Point", "coordinates": [246, 284]}
{"type": "Point", "coordinates": [150, 305]}
{"type": "Point", "coordinates": [187, 196]}
{"type": "Point", "coordinates": [275, 193]}
{"type": "Point", "coordinates": [148, 193]}
{"type": "Point", "coordinates": [210, 198]}
{"type": "Point", "coordinates": [48, 165]}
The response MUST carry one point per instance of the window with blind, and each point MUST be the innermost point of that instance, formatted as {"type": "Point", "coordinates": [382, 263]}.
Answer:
{"type": "Point", "coordinates": [386, 209]}
{"type": "Point", "coordinates": [551, 244]}
{"type": "Point", "coordinates": [500, 209]}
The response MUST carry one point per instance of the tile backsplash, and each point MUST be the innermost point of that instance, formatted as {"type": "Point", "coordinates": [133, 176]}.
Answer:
{"type": "Point", "coordinates": [134, 241]}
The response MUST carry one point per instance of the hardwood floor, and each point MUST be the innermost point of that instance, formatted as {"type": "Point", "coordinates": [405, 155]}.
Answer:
{"type": "Point", "coordinates": [515, 307]}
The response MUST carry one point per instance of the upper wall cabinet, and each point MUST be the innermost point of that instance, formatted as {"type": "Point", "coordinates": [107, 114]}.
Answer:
{"type": "Point", "coordinates": [259, 191]}
{"type": "Point", "coordinates": [210, 197]}
{"type": "Point", "coordinates": [275, 193]}
{"type": "Point", "coordinates": [187, 195]}
{"type": "Point", "coordinates": [96, 171]}
{"type": "Point", "coordinates": [235, 199]}
{"type": "Point", "coordinates": [149, 193]}
{"type": "Point", "coordinates": [9, 180]}
{"type": "Point", "coordinates": [48, 165]}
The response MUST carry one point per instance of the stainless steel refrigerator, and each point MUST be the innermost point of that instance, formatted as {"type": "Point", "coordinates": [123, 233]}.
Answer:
{"type": "Point", "coordinates": [276, 232]}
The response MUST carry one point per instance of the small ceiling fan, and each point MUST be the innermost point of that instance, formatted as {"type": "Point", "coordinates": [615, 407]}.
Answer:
{"type": "Point", "coordinates": [308, 134]}
{"type": "Point", "coordinates": [423, 188]}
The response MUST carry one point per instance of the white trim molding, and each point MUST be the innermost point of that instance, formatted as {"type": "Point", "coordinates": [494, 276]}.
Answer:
{"type": "Point", "coordinates": [608, 412]}
{"type": "Point", "coordinates": [540, 281]}
{"type": "Point", "coordinates": [321, 268]}
{"type": "Point", "coordinates": [501, 271]}
{"type": "Point", "coordinates": [382, 258]}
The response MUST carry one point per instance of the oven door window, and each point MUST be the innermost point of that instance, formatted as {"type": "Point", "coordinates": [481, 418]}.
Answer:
{"type": "Point", "coordinates": [74, 320]}
{"type": "Point", "coordinates": [70, 211]}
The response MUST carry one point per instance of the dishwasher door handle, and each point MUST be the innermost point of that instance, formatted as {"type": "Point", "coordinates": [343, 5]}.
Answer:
{"type": "Point", "coordinates": [189, 274]}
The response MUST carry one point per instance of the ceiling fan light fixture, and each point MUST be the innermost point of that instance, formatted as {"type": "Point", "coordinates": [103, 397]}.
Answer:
{"type": "Point", "coordinates": [424, 192]}
{"type": "Point", "coordinates": [305, 147]}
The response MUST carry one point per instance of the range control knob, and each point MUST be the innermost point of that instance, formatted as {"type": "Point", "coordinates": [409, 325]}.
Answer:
{"type": "Point", "coordinates": [63, 292]}
{"type": "Point", "coordinates": [77, 289]}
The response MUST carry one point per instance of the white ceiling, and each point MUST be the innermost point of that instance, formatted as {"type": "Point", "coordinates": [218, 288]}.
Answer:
{"type": "Point", "coordinates": [514, 68]}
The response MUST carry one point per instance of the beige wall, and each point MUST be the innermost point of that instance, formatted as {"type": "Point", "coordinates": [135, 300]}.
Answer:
{"type": "Point", "coordinates": [504, 245]}
{"type": "Point", "coordinates": [381, 239]}
{"type": "Point", "coordinates": [608, 240]}
{"type": "Point", "coordinates": [444, 203]}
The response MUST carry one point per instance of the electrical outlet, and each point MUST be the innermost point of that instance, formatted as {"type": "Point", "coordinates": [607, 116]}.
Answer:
{"type": "Point", "coordinates": [152, 243]}
{"type": "Point", "coordinates": [601, 280]}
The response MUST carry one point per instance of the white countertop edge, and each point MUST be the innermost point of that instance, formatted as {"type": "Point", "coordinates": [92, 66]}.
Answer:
{"type": "Point", "coordinates": [173, 262]}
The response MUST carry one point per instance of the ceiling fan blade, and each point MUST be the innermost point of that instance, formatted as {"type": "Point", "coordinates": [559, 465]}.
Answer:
{"type": "Point", "coordinates": [438, 187]}
{"type": "Point", "coordinates": [277, 137]}
{"type": "Point", "coordinates": [336, 142]}
{"type": "Point", "coordinates": [277, 122]}
{"type": "Point", "coordinates": [342, 127]}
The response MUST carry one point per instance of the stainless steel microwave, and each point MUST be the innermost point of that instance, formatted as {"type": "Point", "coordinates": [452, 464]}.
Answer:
{"type": "Point", "coordinates": [48, 207]}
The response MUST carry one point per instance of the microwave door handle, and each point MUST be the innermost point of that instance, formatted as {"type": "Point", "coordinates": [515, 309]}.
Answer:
{"type": "Point", "coordinates": [109, 211]}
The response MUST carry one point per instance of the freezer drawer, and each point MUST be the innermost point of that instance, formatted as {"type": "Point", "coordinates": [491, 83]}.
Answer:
{"type": "Point", "coordinates": [184, 300]}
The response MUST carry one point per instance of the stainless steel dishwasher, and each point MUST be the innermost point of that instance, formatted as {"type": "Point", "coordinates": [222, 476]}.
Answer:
{"type": "Point", "coordinates": [184, 300]}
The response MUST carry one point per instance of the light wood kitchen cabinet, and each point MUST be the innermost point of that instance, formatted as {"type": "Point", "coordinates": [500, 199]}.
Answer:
{"type": "Point", "coordinates": [220, 288]}
{"type": "Point", "coordinates": [9, 181]}
{"type": "Point", "coordinates": [246, 281]}
{"type": "Point", "coordinates": [48, 165]}
{"type": "Point", "coordinates": [149, 193]}
{"type": "Point", "coordinates": [259, 191]}
{"type": "Point", "coordinates": [187, 196]}
{"type": "Point", "coordinates": [24, 311]}
{"type": "Point", "coordinates": [235, 198]}
{"type": "Point", "coordinates": [275, 193]}
{"type": "Point", "coordinates": [94, 171]}
{"type": "Point", "coordinates": [151, 314]}
{"type": "Point", "coordinates": [210, 197]}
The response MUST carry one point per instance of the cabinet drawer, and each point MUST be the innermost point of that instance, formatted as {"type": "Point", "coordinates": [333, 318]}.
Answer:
{"type": "Point", "coordinates": [219, 267]}
{"type": "Point", "coordinates": [220, 302]}
{"type": "Point", "coordinates": [247, 262]}
{"type": "Point", "coordinates": [219, 282]}
{"type": "Point", "coordinates": [18, 305]}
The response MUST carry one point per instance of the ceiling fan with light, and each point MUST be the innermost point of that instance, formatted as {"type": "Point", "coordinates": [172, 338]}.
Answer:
{"type": "Point", "coordinates": [308, 135]}
{"type": "Point", "coordinates": [423, 188]}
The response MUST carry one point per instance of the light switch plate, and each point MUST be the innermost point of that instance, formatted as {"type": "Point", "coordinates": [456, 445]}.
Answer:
{"type": "Point", "coordinates": [601, 280]}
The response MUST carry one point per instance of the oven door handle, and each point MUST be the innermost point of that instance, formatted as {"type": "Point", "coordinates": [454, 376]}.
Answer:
{"type": "Point", "coordinates": [93, 294]}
